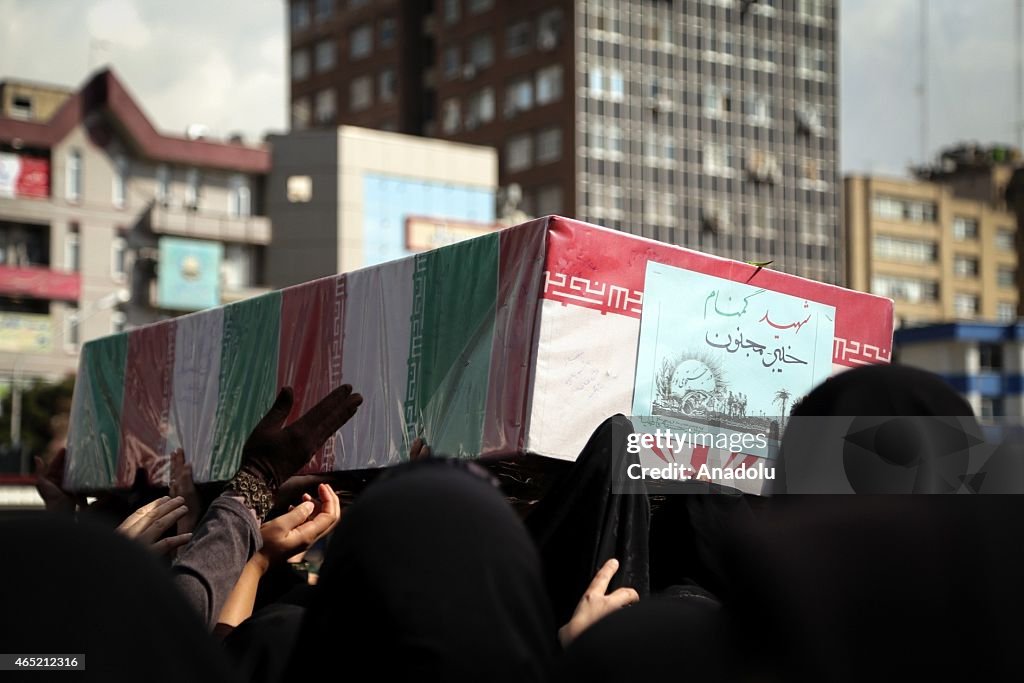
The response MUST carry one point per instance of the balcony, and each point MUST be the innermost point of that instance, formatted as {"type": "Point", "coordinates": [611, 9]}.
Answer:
{"type": "Point", "coordinates": [36, 282]}
{"type": "Point", "coordinates": [207, 226]}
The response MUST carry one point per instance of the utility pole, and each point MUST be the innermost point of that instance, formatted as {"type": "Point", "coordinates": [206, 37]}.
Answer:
{"type": "Point", "coordinates": [1019, 104]}
{"type": "Point", "coordinates": [922, 88]}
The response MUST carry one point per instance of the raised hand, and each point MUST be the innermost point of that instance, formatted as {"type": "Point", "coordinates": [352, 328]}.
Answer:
{"type": "Point", "coordinates": [297, 530]}
{"type": "Point", "coordinates": [184, 487]}
{"type": "Point", "coordinates": [275, 452]}
{"type": "Point", "coordinates": [150, 521]}
{"type": "Point", "coordinates": [419, 449]}
{"type": "Point", "coordinates": [596, 604]}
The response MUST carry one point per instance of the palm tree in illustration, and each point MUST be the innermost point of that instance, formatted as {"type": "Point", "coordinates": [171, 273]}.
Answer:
{"type": "Point", "coordinates": [782, 397]}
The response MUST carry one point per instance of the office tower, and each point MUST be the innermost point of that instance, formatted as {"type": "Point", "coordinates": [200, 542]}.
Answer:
{"type": "Point", "coordinates": [706, 123]}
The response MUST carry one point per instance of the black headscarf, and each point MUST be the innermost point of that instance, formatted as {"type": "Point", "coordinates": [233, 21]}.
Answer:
{"type": "Point", "coordinates": [867, 587]}
{"type": "Point", "coordinates": [79, 588]}
{"type": "Point", "coordinates": [878, 429]}
{"type": "Point", "coordinates": [659, 639]}
{"type": "Point", "coordinates": [580, 523]}
{"type": "Point", "coordinates": [859, 588]}
{"type": "Point", "coordinates": [430, 576]}
{"type": "Point", "coordinates": [262, 644]}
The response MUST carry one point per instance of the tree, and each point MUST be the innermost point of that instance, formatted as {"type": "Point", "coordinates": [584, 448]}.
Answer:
{"type": "Point", "coordinates": [45, 413]}
{"type": "Point", "coordinates": [782, 397]}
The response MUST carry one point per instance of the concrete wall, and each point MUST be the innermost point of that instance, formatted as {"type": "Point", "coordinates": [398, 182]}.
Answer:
{"type": "Point", "coordinates": [305, 233]}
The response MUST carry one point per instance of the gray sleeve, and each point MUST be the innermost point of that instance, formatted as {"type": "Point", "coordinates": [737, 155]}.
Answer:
{"type": "Point", "coordinates": [209, 566]}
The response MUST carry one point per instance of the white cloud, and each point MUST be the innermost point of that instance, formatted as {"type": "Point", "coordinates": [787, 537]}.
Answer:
{"type": "Point", "coordinates": [117, 22]}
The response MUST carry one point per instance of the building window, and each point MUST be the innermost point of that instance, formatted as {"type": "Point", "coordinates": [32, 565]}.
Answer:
{"type": "Point", "coordinates": [118, 256]}
{"type": "Point", "coordinates": [965, 228]}
{"type": "Point", "coordinates": [71, 332]}
{"type": "Point", "coordinates": [326, 106]}
{"type": "Point", "coordinates": [480, 108]}
{"type": "Point", "coordinates": [299, 189]}
{"type": "Point", "coordinates": [549, 26]}
{"type": "Point", "coordinates": [238, 266]}
{"type": "Point", "coordinates": [1006, 311]}
{"type": "Point", "coordinates": [716, 159]}
{"type": "Point", "coordinates": [911, 251]}
{"type": "Point", "coordinates": [300, 114]}
{"type": "Point", "coordinates": [549, 145]}
{"type": "Point", "coordinates": [481, 51]}
{"type": "Point", "coordinates": [1005, 239]}
{"type": "Point", "coordinates": [717, 100]}
{"type": "Point", "coordinates": [549, 200]}
{"type": "Point", "coordinates": [549, 84]}
{"type": "Point", "coordinates": [192, 189]}
{"type": "Point", "coordinates": [452, 62]}
{"type": "Point", "coordinates": [450, 11]}
{"type": "Point", "coordinates": [518, 96]}
{"type": "Point", "coordinates": [519, 153]}
{"type": "Point", "coordinates": [757, 108]}
{"type": "Point", "coordinates": [910, 210]}
{"type": "Point", "coordinates": [911, 290]}
{"type": "Point", "coordinates": [120, 182]}
{"type": "Point", "coordinates": [240, 197]}
{"type": "Point", "coordinates": [992, 407]}
{"type": "Point", "coordinates": [73, 176]}
{"type": "Point", "coordinates": [595, 81]}
{"type": "Point", "coordinates": [360, 93]}
{"type": "Point", "coordinates": [1006, 276]}
{"type": "Point", "coordinates": [72, 248]}
{"type": "Point", "coordinates": [300, 15]}
{"type": "Point", "coordinates": [387, 32]}
{"type": "Point", "coordinates": [451, 113]}
{"type": "Point", "coordinates": [21, 107]}
{"type": "Point", "coordinates": [300, 65]}
{"type": "Point", "coordinates": [360, 41]}
{"type": "Point", "coordinates": [965, 266]}
{"type": "Point", "coordinates": [479, 6]}
{"type": "Point", "coordinates": [386, 82]}
{"type": "Point", "coordinates": [163, 183]}
{"type": "Point", "coordinates": [965, 305]}
{"type": "Point", "coordinates": [517, 38]}
{"type": "Point", "coordinates": [990, 356]}
{"type": "Point", "coordinates": [324, 9]}
{"type": "Point", "coordinates": [326, 55]}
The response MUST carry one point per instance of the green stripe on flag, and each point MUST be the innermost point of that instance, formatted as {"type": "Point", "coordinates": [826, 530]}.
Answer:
{"type": "Point", "coordinates": [454, 294]}
{"type": "Point", "coordinates": [248, 377]}
{"type": "Point", "coordinates": [96, 413]}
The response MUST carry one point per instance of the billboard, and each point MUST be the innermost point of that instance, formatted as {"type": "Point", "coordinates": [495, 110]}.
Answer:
{"type": "Point", "coordinates": [22, 176]}
{"type": "Point", "coordinates": [26, 332]}
{"type": "Point", "coordinates": [189, 274]}
{"type": "Point", "coordinates": [424, 234]}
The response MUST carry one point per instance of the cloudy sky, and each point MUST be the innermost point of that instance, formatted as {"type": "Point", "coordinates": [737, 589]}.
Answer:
{"type": "Point", "coordinates": [222, 63]}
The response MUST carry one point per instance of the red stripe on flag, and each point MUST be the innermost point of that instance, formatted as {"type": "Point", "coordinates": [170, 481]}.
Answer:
{"type": "Point", "coordinates": [146, 404]}
{"type": "Point", "coordinates": [309, 351]}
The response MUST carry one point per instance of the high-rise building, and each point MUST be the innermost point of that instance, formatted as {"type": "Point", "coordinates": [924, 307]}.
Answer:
{"type": "Point", "coordinates": [706, 123]}
{"type": "Point", "coordinates": [942, 245]}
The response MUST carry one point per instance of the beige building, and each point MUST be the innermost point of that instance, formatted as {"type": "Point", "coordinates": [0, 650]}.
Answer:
{"type": "Point", "coordinates": [353, 197]}
{"type": "Point", "coordinates": [943, 245]}
{"type": "Point", "coordinates": [95, 205]}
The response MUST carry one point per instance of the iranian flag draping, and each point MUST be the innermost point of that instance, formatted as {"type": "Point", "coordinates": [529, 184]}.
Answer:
{"type": "Point", "coordinates": [518, 341]}
{"type": "Point", "coordinates": [435, 343]}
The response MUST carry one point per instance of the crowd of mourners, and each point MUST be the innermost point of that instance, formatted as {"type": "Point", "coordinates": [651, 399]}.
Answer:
{"type": "Point", "coordinates": [430, 574]}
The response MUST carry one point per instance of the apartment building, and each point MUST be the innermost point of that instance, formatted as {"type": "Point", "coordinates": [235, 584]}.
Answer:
{"type": "Point", "coordinates": [106, 223]}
